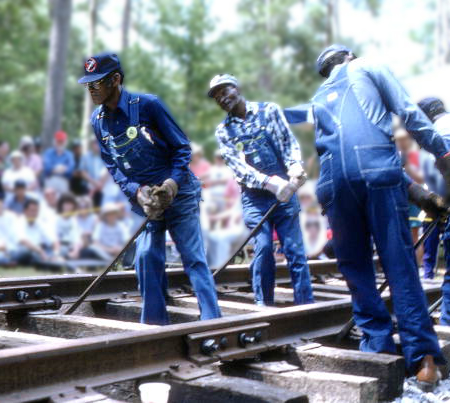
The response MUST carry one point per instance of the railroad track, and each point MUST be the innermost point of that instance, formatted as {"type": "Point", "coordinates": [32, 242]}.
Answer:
{"type": "Point", "coordinates": [45, 292]}
{"type": "Point", "coordinates": [53, 357]}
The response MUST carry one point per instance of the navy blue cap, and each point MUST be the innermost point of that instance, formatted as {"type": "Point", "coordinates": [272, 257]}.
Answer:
{"type": "Point", "coordinates": [330, 51]}
{"type": "Point", "coordinates": [431, 106]}
{"type": "Point", "coordinates": [98, 66]}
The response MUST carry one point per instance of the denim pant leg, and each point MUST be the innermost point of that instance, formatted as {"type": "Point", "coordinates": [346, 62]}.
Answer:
{"type": "Point", "coordinates": [353, 247]}
{"type": "Point", "coordinates": [263, 264]}
{"type": "Point", "coordinates": [290, 235]}
{"type": "Point", "coordinates": [150, 266]}
{"type": "Point", "coordinates": [184, 226]}
{"type": "Point", "coordinates": [388, 214]}
{"type": "Point", "coordinates": [430, 250]}
{"type": "Point", "coordinates": [445, 307]}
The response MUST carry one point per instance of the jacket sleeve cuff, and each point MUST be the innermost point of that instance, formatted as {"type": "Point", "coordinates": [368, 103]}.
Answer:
{"type": "Point", "coordinates": [131, 190]}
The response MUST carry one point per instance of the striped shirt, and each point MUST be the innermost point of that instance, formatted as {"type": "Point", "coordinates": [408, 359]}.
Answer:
{"type": "Point", "coordinates": [277, 125]}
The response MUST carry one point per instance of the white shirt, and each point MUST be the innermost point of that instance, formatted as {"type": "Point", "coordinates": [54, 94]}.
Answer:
{"type": "Point", "coordinates": [110, 235]}
{"type": "Point", "coordinates": [68, 231]}
{"type": "Point", "coordinates": [37, 232]}
{"type": "Point", "coordinates": [11, 175]}
{"type": "Point", "coordinates": [10, 230]}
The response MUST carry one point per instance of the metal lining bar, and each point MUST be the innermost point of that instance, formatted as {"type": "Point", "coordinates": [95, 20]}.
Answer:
{"type": "Point", "coordinates": [39, 371]}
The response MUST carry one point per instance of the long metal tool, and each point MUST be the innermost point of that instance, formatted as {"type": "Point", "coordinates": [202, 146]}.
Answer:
{"type": "Point", "coordinates": [349, 325]}
{"type": "Point", "coordinates": [252, 233]}
{"type": "Point", "coordinates": [97, 281]}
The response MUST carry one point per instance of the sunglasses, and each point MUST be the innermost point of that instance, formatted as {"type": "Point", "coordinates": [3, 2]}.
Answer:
{"type": "Point", "coordinates": [95, 85]}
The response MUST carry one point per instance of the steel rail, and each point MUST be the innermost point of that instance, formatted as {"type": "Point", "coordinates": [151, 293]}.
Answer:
{"type": "Point", "coordinates": [41, 291]}
{"type": "Point", "coordinates": [36, 372]}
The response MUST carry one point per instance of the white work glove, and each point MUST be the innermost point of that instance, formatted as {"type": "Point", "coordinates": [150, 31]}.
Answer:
{"type": "Point", "coordinates": [297, 175]}
{"type": "Point", "coordinates": [281, 188]}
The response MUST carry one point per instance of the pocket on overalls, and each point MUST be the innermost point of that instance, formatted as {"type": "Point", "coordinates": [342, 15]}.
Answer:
{"type": "Point", "coordinates": [379, 165]}
{"type": "Point", "coordinates": [259, 154]}
{"type": "Point", "coordinates": [325, 184]}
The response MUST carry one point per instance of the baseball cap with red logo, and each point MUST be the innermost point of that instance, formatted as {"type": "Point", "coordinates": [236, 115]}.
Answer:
{"type": "Point", "coordinates": [60, 135]}
{"type": "Point", "coordinates": [99, 66]}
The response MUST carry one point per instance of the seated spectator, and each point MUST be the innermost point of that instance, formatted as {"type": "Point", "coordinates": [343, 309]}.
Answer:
{"type": "Point", "coordinates": [67, 230]}
{"type": "Point", "coordinates": [4, 151]}
{"type": "Point", "coordinates": [216, 186]}
{"type": "Point", "coordinates": [199, 165]}
{"type": "Point", "coordinates": [58, 164]}
{"type": "Point", "coordinates": [31, 158]}
{"type": "Point", "coordinates": [314, 230]}
{"type": "Point", "coordinates": [38, 244]}
{"type": "Point", "coordinates": [307, 195]}
{"type": "Point", "coordinates": [110, 235]}
{"type": "Point", "coordinates": [16, 201]}
{"type": "Point", "coordinates": [9, 236]}
{"type": "Point", "coordinates": [78, 183]}
{"type": "Point", "coordinates": [92, 166]}
{"type": "Point", "coordinates": [86, 220]}
{"type": "Point", "coordinates": [48, 206]}
{"type": "Point", "coordinates": [18, 171]}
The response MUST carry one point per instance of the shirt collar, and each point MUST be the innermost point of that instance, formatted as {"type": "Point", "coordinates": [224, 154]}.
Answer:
{"type": "Point", "coordinates": [123, 102]}
{"type": "Point", "coordinates": [251, 108]}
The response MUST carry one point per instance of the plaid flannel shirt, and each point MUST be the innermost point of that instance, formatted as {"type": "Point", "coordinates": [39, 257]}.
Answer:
{"type": "Point", "coordinates": [283, 139]}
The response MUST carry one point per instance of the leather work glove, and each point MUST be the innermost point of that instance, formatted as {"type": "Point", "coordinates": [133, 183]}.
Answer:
{"type": "Point", "coordinates": [297, 175]}
{"type": "Point", "coordinates": [443, 164]}
{"type": "Point", "coordinates": [433, 204]}
{"type": "Point", "coordinates": [146, 200]}
{"type": "Point", "coordinates": [281, 188]}
{"type": "Point", "coordinates": [164, 194]}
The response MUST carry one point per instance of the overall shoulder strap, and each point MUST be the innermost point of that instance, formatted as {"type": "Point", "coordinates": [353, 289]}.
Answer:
{"type": "Point", "coordinates": [134, 110]}
{"type": "Point", "coordinates": [100, 122]}
{"type": "Point", "coordinates": [262, 113]}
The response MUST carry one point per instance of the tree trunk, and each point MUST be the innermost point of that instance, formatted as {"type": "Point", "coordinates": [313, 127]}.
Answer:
{"type": "Point", "coordinates": [126, 24]}
{"type": "Point", "coordinates": [60, 11]}
{"type": "Point", "coordinates": [333, 29]}
{"type": "Point", "coordinates": [88, 106]}
{"type": "Point", "coordinates": [443, 33]}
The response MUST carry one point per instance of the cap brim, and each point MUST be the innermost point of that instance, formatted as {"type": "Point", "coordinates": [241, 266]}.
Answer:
{"type": "Point", "coordinates": [216, 87]}
{"type": "Point", "coordinates": [91, 77]}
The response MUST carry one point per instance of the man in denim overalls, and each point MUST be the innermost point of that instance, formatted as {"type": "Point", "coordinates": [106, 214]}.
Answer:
{"type": "Point", "coordinates": [257, 144]}
{"type": "Point", "coordinates": [435, 110]}
{"type": "Point", "coordinates": [148, 156]}
{"type": "Point", "coordinates": [364, 192]}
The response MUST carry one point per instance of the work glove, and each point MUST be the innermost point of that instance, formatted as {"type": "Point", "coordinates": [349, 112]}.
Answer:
{"type": "Point", "coordinates": [164, 194]}
{"type": "Point", "coordinates": [443, 164]}
{"type": "Point", "coordinates": [433, 204]}
{"type": "Point", "coordinates": [297, 175]}
{"type": "Point", "coordinates": [281, 188]}
{"type": "Point", "coordinates": [146, 200]}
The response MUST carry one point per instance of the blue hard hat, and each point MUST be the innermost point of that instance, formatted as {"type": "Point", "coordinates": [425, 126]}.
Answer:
{"type": "Point", "coordinates": [330, 51]}
{"type": "Point", "coordinates": [98, 66]}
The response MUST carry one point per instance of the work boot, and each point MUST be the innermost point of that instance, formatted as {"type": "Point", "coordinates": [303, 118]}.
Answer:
{"type": "Point", "coordinates": [429, 374]}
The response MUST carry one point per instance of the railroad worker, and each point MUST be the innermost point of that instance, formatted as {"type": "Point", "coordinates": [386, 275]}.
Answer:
{"type": "Point", "coordinates": [435, 110]}
{"type": "Point", "coordinates": [257, 144]}
{"type": "Point", "coordinates": [364, 192]}
{"type": "Point", "coordinates": [148, 155]}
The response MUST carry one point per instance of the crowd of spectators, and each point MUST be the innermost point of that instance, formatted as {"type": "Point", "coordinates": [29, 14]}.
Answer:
{"type": "Point", "coordinates": [59, 207]}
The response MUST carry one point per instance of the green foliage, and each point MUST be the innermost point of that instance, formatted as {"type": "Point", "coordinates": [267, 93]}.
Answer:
{"type": "Point", "coordinates": [24, 31]}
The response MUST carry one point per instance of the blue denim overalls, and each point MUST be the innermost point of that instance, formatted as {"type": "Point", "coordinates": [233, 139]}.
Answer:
{"type": "Point", "coordinates": [362, 190]}
{"type": "Point", "coordinates": [262, 154]}
{"type": "Point", "coordinates": [141, 155]}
